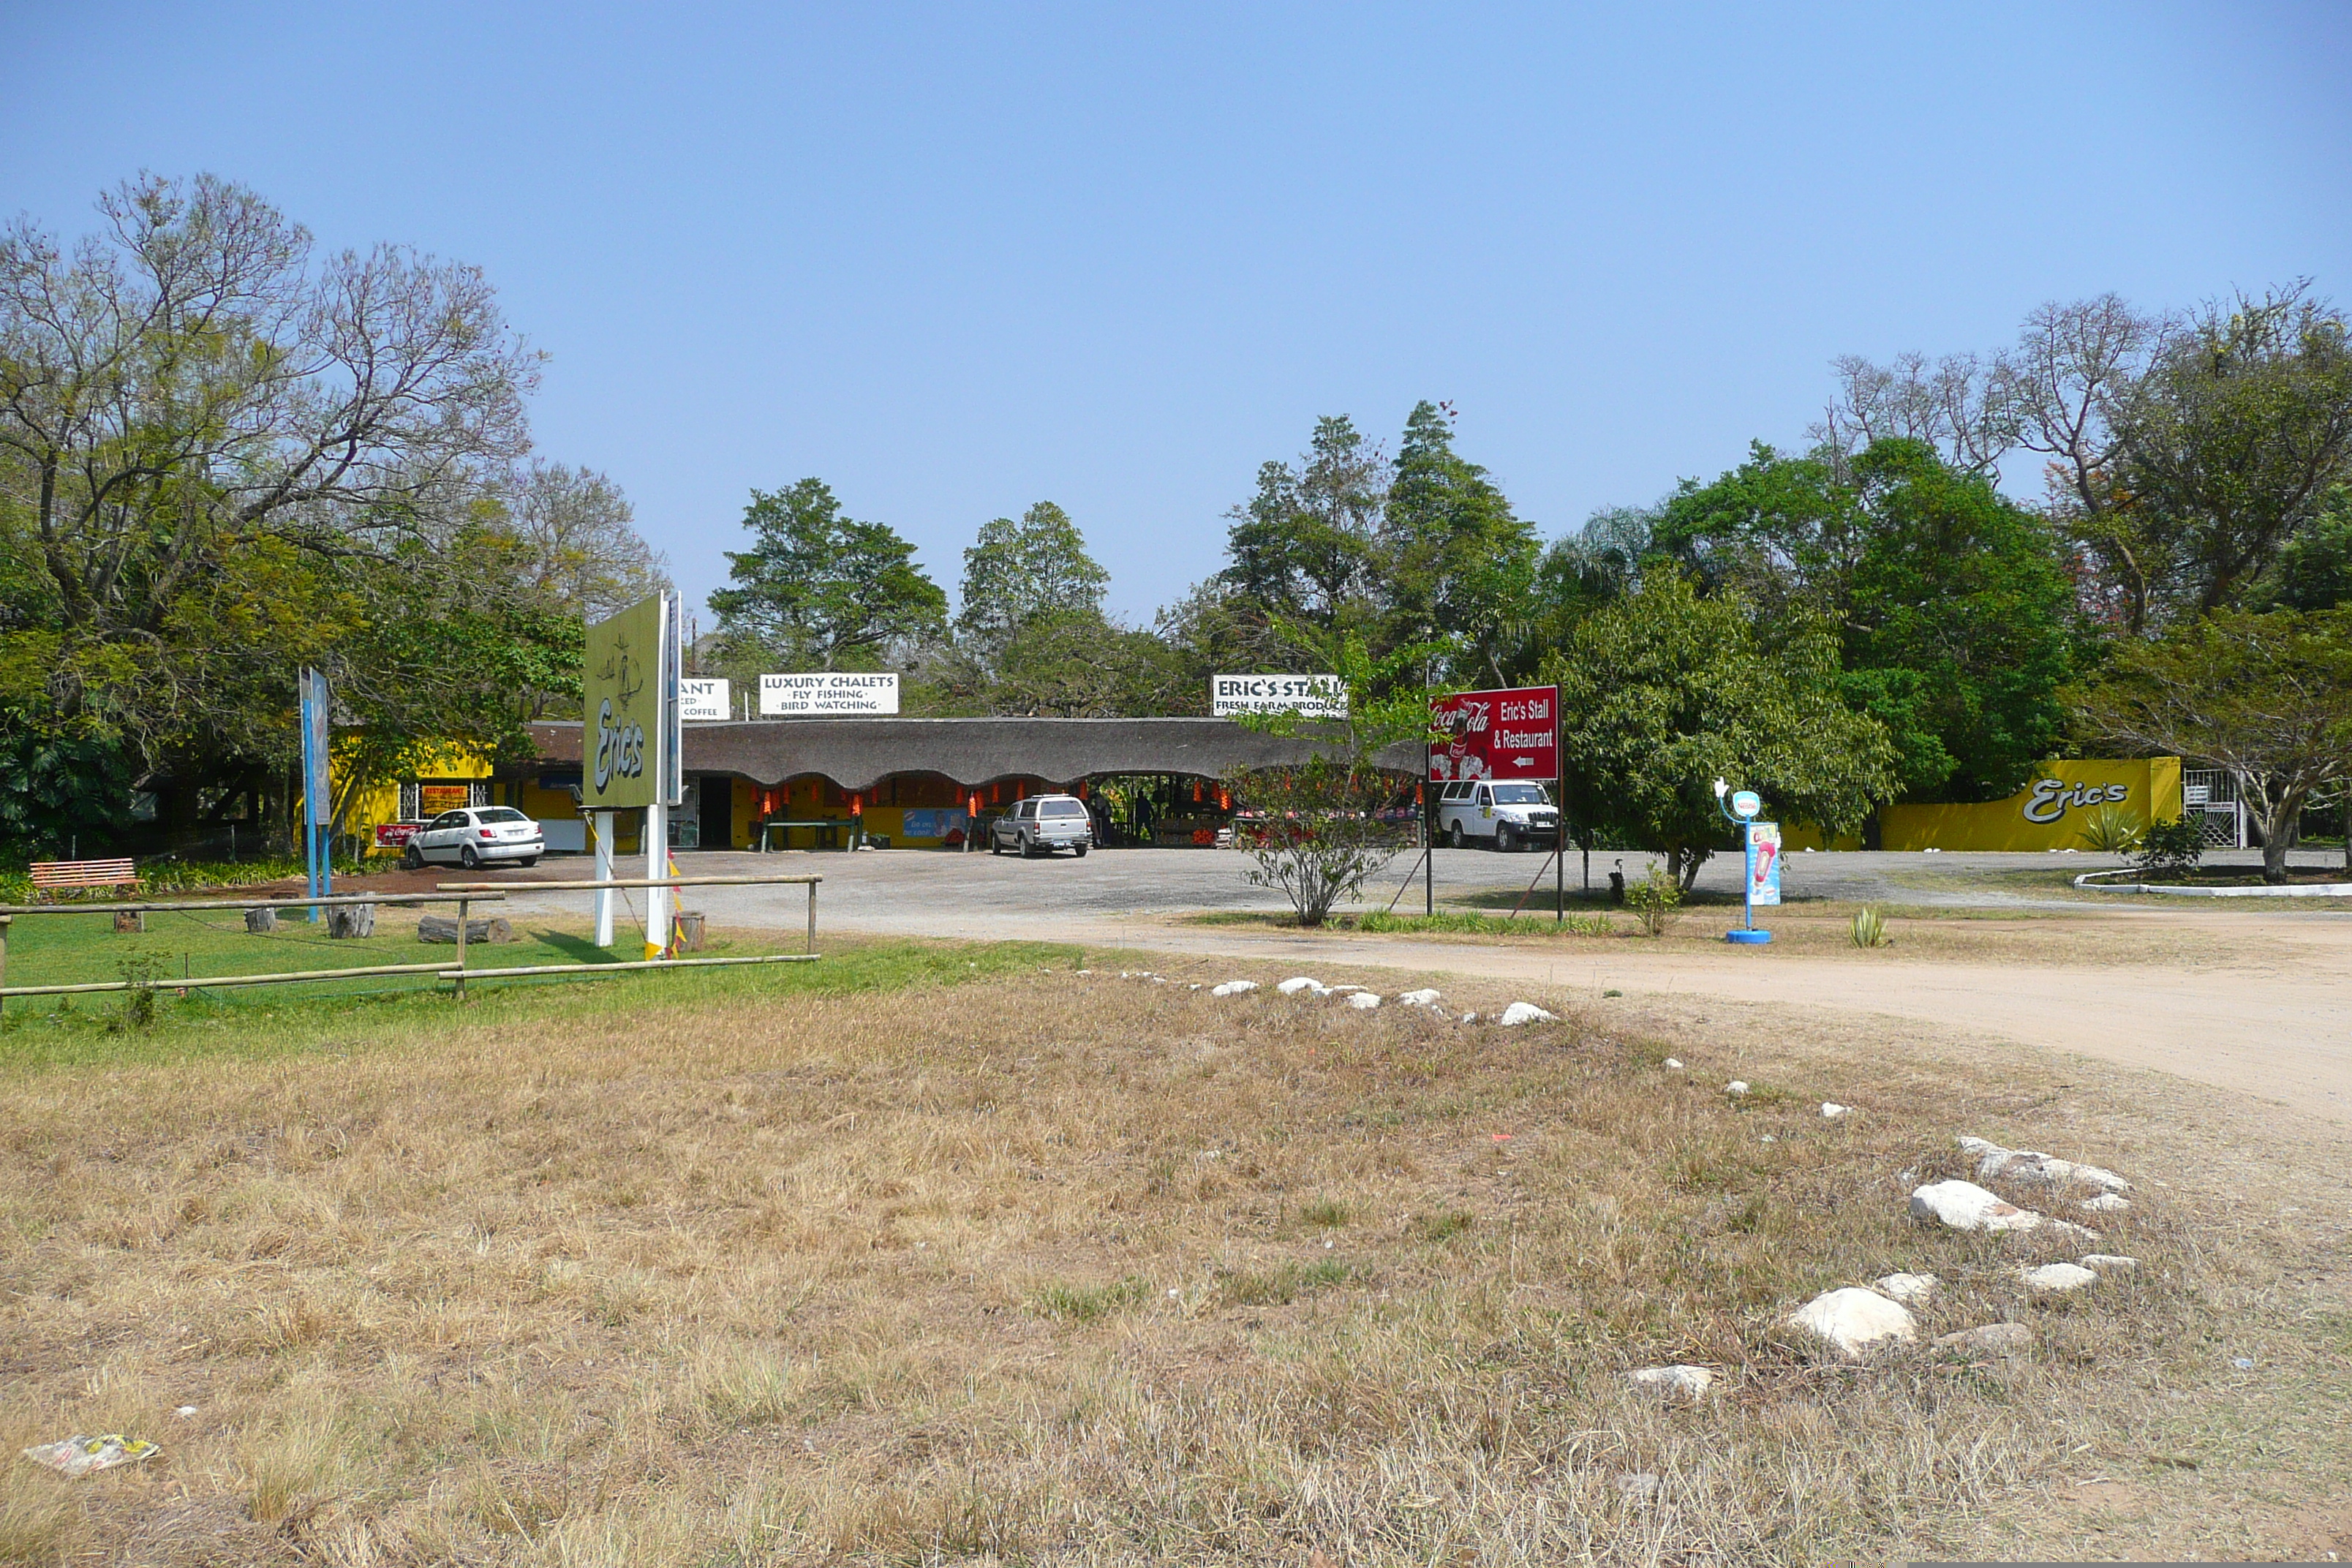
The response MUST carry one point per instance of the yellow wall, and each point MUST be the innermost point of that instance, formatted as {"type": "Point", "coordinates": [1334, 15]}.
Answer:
{"type": "Point", "coordinates": [380, 802]}
{"type": "Point", "coordinates": [2062, 793]}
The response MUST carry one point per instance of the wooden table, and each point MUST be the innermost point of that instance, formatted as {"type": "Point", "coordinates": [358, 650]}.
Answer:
{"type": "Point", "coordinates": [828, 827]}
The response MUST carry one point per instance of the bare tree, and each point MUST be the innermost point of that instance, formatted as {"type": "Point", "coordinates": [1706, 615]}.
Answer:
{"type": "Point", "coordinates": [1957, 404]}
{"type": "Point", "coordinates": [581, 553]}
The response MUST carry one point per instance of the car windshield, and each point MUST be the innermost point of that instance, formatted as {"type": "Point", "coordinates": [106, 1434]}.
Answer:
{"type": "Point", "coordinates": [1061, 808]}
{"type": "Point", "coordinates": [501, 813]}
{"type": "Point", "coordinates": [1521, 795]}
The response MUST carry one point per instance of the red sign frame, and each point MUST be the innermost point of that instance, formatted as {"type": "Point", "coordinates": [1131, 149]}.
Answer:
{"type": "Point", "coordinates": [1512, 733]}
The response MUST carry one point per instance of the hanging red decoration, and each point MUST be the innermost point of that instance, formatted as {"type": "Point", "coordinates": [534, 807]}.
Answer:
{"type": "Point", "coordinates": [856, 805]}
{"type": "Point", "coordinates": [1196, 791]}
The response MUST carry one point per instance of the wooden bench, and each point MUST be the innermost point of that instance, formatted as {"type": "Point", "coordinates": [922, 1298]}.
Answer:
{"type": "Point", "coordinates": [52, 877]}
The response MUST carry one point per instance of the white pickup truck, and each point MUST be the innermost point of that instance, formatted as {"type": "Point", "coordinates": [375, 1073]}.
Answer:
{"type": "Point", "coordinates": [1508, 815]}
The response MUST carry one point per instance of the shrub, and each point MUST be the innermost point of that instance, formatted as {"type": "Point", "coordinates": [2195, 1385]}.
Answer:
{"type": "Point", "coordinates": [1655, 900]}
{"type": "Point", "coordinates": [1320, 836]}
{"type": "Point", "coordinates": [2171, 848]}
{"type": "Point", "coordinates": [1869, 927]}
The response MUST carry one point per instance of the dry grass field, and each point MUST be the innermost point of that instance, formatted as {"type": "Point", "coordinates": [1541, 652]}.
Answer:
{"type": "Point", "coordinates": [1029, 1265]}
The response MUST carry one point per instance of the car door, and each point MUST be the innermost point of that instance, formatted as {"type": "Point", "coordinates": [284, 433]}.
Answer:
{"type": "Point", "coordinates": [1485, 800]}
{"type": "Point", "coordinates": [441, 835]}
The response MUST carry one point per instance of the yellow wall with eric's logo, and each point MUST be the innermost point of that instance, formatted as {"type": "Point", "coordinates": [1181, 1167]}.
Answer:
{"type": "Point", "coordinates": [2049, 813]}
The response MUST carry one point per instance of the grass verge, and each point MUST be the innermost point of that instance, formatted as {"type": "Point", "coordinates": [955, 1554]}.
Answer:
{"type": "Point", "coordinates": [985, 1260]}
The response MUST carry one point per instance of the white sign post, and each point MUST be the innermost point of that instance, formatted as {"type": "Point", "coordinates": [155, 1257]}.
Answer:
{"type": "Point", "coordinates": [825, 693]}
{"type": "Point", "coordinates": [1308, 695]}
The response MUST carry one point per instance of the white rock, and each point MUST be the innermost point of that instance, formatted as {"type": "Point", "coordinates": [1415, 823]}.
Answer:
{"type": "Point", "coordinates": [1964, 1205]}
{"type": "Point", "coordinates": [2106, 1202]}
{"type": "Point", "coordinates": [1343, 990]}
{"type": "Point", "coordinates": [1852, 1320]}
{"type": "Point", "coordinates": [1639, 1488]}
{"type": "Point", "coordinates": [1832, 1110]}
{"type": "Point", "coordinates": [1469, 1018]}
{"type": "Point", "coordinates": [1995, 1163]}
{"type": "Point", "coordinates": [1911, 1290]}
{"type": "Point", "coordinates": [1233, 988]}
{"type": "Point", "coordinates": [2107, 1262]}
{"type": "Point", "coordinates": [1363, 1001]}
{"type": "Point", "coordinates": [1298, 982]}
{"type": "Point", "coordinates": [1989, 1339]}
{"type": "Point", "coordinates": [1424, 997]}
{"type": "Point", "coordinates": [1684, 1382]}
{"type": "Point", "coordinates": [2056, 1279]}
{"type": "Point", "coordinates": [1520, 1013]}
{"type": "Point", "coordinates": [1672, 1066]}
{"type": "Point", "coordinates": [1736, 1088]}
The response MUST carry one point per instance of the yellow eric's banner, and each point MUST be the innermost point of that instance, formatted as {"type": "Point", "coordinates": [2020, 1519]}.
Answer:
{"type": "Point", "coordinates": [622, 710]}
{"type": "Point", "coordinates": [2049, 813]}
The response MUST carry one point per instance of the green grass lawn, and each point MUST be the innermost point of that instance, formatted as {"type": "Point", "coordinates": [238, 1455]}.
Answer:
{"type": "Point", "coordinates": [180, 1019]}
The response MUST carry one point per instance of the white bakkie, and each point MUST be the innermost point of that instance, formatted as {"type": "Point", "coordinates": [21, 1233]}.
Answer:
{"type": "Point", "coordinates": [1505, 815]}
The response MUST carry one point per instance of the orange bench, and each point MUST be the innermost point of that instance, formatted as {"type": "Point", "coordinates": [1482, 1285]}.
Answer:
{"type": "Point", "coordinates": [51, 877]}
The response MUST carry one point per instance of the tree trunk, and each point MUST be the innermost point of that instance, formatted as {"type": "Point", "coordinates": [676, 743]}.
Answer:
{"type": "Point", "coordinates": [2347, 825]}
{"type": "Point", "coordinates": [2275, 822]}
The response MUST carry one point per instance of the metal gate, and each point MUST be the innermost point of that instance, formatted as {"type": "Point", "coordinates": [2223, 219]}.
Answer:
{"type": "Point", "coordinates": [2212, 793]}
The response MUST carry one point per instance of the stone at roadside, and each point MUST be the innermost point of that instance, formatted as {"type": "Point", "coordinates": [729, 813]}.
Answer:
{"type": "Point", "coordinates": [1855, 1321]}
{"type": "Point", "coordinates": [1911, 1290]}
{"type": "Point", "coordinates": [1298, 982]}
{"type": "Point", "coordinates": [1639, 1488]}
{"type": "Point", "coordinates": [1832, 1110]}
{"type": "Point", "coordinates": [1233, 988]}
{"type": "Point", "coordinates": [1964, 1205]}
{"type": "Point", "coordinates": [1995, 1163]}
{"type": "Point", "coordinates": [1989, 1339]}
{"type": "Point", "coordinates": [1469, 1018]}
{"type": "Point", "coordinates": [1672, 1066]}
{"type": "Point", "coordinates": [1675, 1382]}
{"type": "Point", "coordinates": [1520, 1013]}
{"type": "Point", "coordinates": [2106, 1203]}
{"type": "Point", "coordinates": [2107, 1262]}
{"type": "Point", "coordinates": [1424, 997]}
{"type": "Point", "coordinates": [1736, 1088]}
{"type": "Point", "coordinates": [1363, 1001]}
{"type": "Point", "coordinates": [2058, 1278]}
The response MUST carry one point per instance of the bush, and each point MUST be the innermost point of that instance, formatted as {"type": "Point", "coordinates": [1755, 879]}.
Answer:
{"type": "Point", "coordinates": [1655, 900]}
{"type": "Point", "coordinates": [2111, 830]}
{"type": "Point", "coordinates": [1869, 927]}
{"type": "Point", "coordinates": [2172, 849]}
{"type": "Point", "coordinates": [1320, 836]}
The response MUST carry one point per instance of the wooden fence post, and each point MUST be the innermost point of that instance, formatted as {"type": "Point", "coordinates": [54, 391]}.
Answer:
{"type": "Point", "coordinates": [461, 950]}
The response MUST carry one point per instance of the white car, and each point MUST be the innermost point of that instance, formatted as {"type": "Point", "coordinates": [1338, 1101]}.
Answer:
{"type": "Point", "coordinates": [1508, 815]}
{"type": "Point", "coordinates": [1042, 824]}
{"type": "Point", "coordinates": [477, 835]}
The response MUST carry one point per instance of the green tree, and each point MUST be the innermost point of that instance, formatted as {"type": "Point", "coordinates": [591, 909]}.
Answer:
{"type": "Point", "coordinates": [1016, 571]}
{"type": "Point", "coordinates": [821, 591]}
{"type": "Point", "coordinates": [2313, 572]}
{"type": "Point", "coordinates": [211, 439]}
{"type": "Point", "coordinates": [1663, 691]}
{"type": "Point", "coordinates": [2267, 696]}
{"type": "Point", "coordinates": [2228, 445]}
{"type": "Point", "coordinates": [1454, 563]}
{"type": "Point", "coordinates": [1307, 545]}
{"type": "Point", "coordinates": [1076, 664]}
{"type": "Point", "coordinates": [1953, 612]}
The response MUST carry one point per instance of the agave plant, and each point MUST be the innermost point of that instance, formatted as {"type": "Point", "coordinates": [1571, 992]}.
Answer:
{"type": "Point", "coordinates": [1869, 927]}
{"type": "Point", "coordinates": [2111, 830]}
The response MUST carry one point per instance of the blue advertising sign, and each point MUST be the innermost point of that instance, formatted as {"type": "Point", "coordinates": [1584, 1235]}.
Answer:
{"type": "Point", "coordinates": [1763, 863]}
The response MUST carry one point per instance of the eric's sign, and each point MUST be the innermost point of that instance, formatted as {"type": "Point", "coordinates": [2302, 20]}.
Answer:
{"type": "Point", "coordinates": [1513, 733]}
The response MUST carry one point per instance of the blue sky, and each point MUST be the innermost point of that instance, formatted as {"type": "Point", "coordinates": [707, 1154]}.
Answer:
{"type": "Point", "coordinates": [957, 260]}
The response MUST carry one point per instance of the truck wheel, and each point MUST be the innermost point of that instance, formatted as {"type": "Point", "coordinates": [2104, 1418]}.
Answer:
{"type": "Point", "coordinates": [1454, 839]}
{"type": "Point", "coordinates": [1507, 838]}
{"type": "Point", "coordinates": [1080, 850]}
{"type": "Point", "coordinates": [1028, 850]}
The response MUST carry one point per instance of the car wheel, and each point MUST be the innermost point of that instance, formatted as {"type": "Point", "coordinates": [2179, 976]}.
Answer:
{"type": "Point", "coordinates": [1028, 850]}
{"type": "Point", "coordinates": [411, 858]}
{"type": "Point", "coordinates": [1453, 839]}
{"type": "Point", "coordinates": [995, 844]}
{"type": "Point", "coordinates": [468, 859]}
{"type": "Point", "coordinates": [528, 860]}
{"type": "Point", "coordinates": [1507, 838]}
{"type": "Point", "coordinates": [1080, 850]}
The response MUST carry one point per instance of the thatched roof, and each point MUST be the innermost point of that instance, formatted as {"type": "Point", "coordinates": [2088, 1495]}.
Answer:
{"type": "Point", "coordinates": [857, 753]}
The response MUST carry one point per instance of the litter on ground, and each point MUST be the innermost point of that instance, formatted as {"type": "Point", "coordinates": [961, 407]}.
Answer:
{"type": "Point", "coordinates": [79, 1456]}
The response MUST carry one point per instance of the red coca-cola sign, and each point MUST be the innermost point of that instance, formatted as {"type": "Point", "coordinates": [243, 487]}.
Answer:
{"type": "Point", "coordinates": [1507, 735]}
{"type": "Point", "coordinates": [394, 834]}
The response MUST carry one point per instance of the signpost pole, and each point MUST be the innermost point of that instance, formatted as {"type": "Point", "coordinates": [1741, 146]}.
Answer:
{"type": "Point", "coordinates": [600, 825]}
{"type": "Point", "coordinates": [1559, 839]}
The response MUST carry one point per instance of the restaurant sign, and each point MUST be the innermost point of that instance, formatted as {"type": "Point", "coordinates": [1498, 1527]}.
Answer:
{"type": "Point", "coordinates": [1513, 733]}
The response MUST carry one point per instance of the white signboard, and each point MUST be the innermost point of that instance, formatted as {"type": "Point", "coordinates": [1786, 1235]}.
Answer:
{"type": "Point", "coordinates": [1310, 696]}
{"type": "Point", "coordinates": [703, 700]}
{"type": "Point", "coordinates": [833, 691]}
